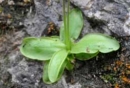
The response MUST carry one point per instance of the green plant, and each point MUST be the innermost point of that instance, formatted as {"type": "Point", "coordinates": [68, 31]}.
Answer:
{"type": "Point", "coordinates": [58, 53]}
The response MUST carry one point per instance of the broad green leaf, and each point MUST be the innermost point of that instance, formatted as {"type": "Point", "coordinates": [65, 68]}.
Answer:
{"type": "Point", "coordinates": [61, 71]}
{"type": "Point", "coordinates": [95, 42]}
{"type": "Point", "coordinates": [85, 56]}
{"type": "Point", "coordinates": [45, 73]}
{"type": "Point", "coordinates": [41, 48]}
{"type": "Point", "coordinates": [75, 24]}
{"type": "Point", "coordinates": [57, 65]}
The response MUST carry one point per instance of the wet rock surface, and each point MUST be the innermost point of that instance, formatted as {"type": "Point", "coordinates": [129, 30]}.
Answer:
{"type": "Point", "coordinates": [32, 18]}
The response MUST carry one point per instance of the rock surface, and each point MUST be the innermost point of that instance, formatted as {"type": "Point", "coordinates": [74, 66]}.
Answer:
{"type": "Point", "coordinates": [109, 16]}
{"type": "Point", "coordinates": [46, 11]}
{"type": "Point", "coordinates": [106, 16]}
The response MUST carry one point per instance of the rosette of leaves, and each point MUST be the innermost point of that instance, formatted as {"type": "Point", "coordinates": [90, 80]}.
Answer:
{"type": "Point", "coordinates": [59, 52]}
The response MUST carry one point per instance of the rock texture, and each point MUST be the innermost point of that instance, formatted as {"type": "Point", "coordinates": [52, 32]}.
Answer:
{"type": "Point", "coordinates": [109, 16]}
{"type": "Point", "coordinates": [106, 16]}
{"type": "Point", "coordinates": [45, 11]}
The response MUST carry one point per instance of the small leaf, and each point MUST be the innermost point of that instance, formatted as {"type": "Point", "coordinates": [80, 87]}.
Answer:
{"type": "Point", "coordinates": [57, 65]}
{"type": "Point", "coordinates": [95, 42]}
{"type": "Point", "coordinates": [69, 65]}
{"type": "Point", "coordinates": [45, 73]}
{"type": "Point", "coordinates": [75, 24]}
{"type": "Point", "coordinates": [85, 56]}
{"type": "Point", "coordinates": [40, 48]}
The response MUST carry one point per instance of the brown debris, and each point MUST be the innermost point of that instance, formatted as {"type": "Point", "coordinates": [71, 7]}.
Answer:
{"type": "Point", "coordinates": [125, 80]}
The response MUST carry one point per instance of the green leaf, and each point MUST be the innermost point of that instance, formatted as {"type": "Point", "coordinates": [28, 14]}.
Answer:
{"type": "Point", "coordinates": [57, 65]}
{"type": "Point", "coordinates": [69, 65]}
{"type": "Point", "coordinates": [85, 56]}
{"type": "Point", "coordinates": [45, 73]}
{"type": "Point", "coordinates": [95, 42]}
{"type": "Point", "coordinates": [75, 24]}
{"type": "Point", "coordinates": [61, 71]}
{"type": "Point", "coordinates": [41, 48]}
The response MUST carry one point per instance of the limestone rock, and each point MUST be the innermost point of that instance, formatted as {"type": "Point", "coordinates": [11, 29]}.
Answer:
{"type": "Point", "coordinates": [107, 16]}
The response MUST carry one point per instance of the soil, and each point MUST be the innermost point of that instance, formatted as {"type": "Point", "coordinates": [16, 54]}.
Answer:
{"type": "Point", "coordinates": [110, 70]}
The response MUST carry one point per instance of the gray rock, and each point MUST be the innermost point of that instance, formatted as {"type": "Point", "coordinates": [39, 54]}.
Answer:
{"type": "Point", "coordinates": [45, 12]}
{"type": "Point", "coordinates": [102, 15]}
{"type": "Point", "coordinates": [105, 16]}
{"type": "Point", "coordinates": [109, 16]}
{"type": "Point", "coordinates": [26, 73]}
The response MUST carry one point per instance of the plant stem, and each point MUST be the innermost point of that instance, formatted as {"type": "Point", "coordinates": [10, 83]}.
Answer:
{"type": "Point", "coordinates": [68, 10]}
{"type": "Point", "coordinates": [66, 25]}
{"type": "Point", "coordinates": [64, 17]}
